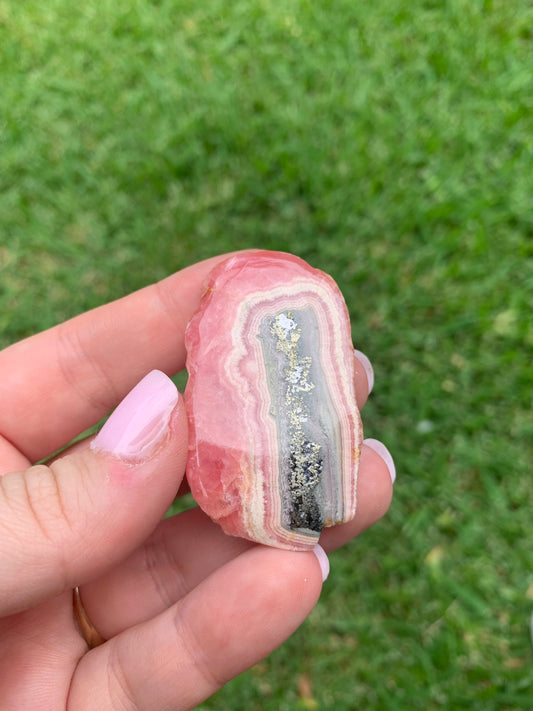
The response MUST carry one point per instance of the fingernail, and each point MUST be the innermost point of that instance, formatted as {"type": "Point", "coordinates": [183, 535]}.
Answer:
{"type": "Point", "coordinates": [367, 367]}
{"type": "Point", "coordinates": [322, 560]}
{"type": "Point", "coordinates": [384, 453]}
{"type": "Point", "coordinates": [140, 422]}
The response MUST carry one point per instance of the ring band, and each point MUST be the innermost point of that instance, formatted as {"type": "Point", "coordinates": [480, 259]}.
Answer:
{"type": "Point", "coordinates": [88, 631]}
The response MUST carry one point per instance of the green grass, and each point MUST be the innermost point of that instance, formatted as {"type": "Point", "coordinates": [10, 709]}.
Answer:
{"type": "Point", "coordinates": [389, 143]}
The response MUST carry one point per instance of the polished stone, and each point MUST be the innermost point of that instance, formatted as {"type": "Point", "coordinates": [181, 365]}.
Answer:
{"type": "Point", "coordinates": [275, 433]}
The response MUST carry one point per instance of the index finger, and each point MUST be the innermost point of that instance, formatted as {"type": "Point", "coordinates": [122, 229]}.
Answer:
{"type": "Point", "coordinates": [58, 383]}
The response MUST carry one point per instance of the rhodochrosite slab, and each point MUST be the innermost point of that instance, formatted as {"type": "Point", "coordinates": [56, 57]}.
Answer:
{"type": "Point", "coordinates": [275, 433]}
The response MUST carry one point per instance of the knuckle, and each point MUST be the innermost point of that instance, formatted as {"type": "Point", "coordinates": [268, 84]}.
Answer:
{"type": "Point", "coordinates": [45, 502]}
{"type": "Point", "coordinates": [36, 520]}
{"type": "Point", "coordinates": [119, 685]}
{"type": "Point", "coordinates": [163, 571]}
{"type": "Point", "coordinates": [79, 366]}
{"type": "Point", "coordinates": [197, 655]}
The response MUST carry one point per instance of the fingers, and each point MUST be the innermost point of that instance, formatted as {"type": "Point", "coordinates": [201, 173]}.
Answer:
{"type": "Point", "coordinates": [63, 524]}
{"type": "Point", "coordinates": [232, 620]}
{"type": "Point", "coordinates": [181, 552]}
{"type": "Point", "coordinates": [84, 367]}
{"type": "Point", "coordinates": [185, 549]}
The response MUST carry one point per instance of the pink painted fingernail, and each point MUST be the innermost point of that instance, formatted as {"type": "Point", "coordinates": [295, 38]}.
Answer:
{"type": "Point", "coordinates": [384, 453]}
{"type": "Point", "coordinates": [322, 560]}
{"type": "Point", "coordinates": [140, 422]}
{"type": "Point", "coordinates": [367, 367]}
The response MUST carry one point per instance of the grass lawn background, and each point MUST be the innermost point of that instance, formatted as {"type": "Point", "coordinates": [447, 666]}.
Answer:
{"type": "Point", "coordinates": [388, 143]}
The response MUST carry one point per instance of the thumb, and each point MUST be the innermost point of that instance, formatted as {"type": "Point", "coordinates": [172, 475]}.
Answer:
{"type": "Point", "coordinates": [63, 524]}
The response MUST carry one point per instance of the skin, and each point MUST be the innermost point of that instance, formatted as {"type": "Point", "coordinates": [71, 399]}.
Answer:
{"type": "Point", "coordinates": [184, 607]}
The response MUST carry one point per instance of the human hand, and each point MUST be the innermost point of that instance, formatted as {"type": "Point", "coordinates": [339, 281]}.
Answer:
{"type": "Point", "coordinates": [184, 608]}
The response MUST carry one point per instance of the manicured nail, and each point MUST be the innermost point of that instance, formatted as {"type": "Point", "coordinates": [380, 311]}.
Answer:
{"type": "Point", "coordinates": [141, 420]}
{"type": "Point", "coordinates": [367, 367]}
{"type": "Point", "coordinates": [384, 453]}
{"type": "Point", "coordinates": [322, 560]}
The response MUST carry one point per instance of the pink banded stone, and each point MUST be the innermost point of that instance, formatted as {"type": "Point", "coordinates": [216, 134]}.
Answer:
{"type": "Point", "coordinates": [275, 433]}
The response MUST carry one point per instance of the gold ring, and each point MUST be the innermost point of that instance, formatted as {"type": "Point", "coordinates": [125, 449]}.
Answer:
{"type": "Point", "coordinates": [88, 631]}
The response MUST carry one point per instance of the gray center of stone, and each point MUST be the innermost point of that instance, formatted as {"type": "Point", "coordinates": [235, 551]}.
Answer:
{"type": "Point", "coordinates": [300, 407]}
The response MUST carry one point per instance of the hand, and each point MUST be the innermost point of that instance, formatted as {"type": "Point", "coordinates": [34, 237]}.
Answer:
{"type": "Point", "coordinates": [184, 608]}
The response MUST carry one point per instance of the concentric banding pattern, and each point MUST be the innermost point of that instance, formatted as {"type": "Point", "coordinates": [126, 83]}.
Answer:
{"type": "Point", "coordinates": [274, 428]}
